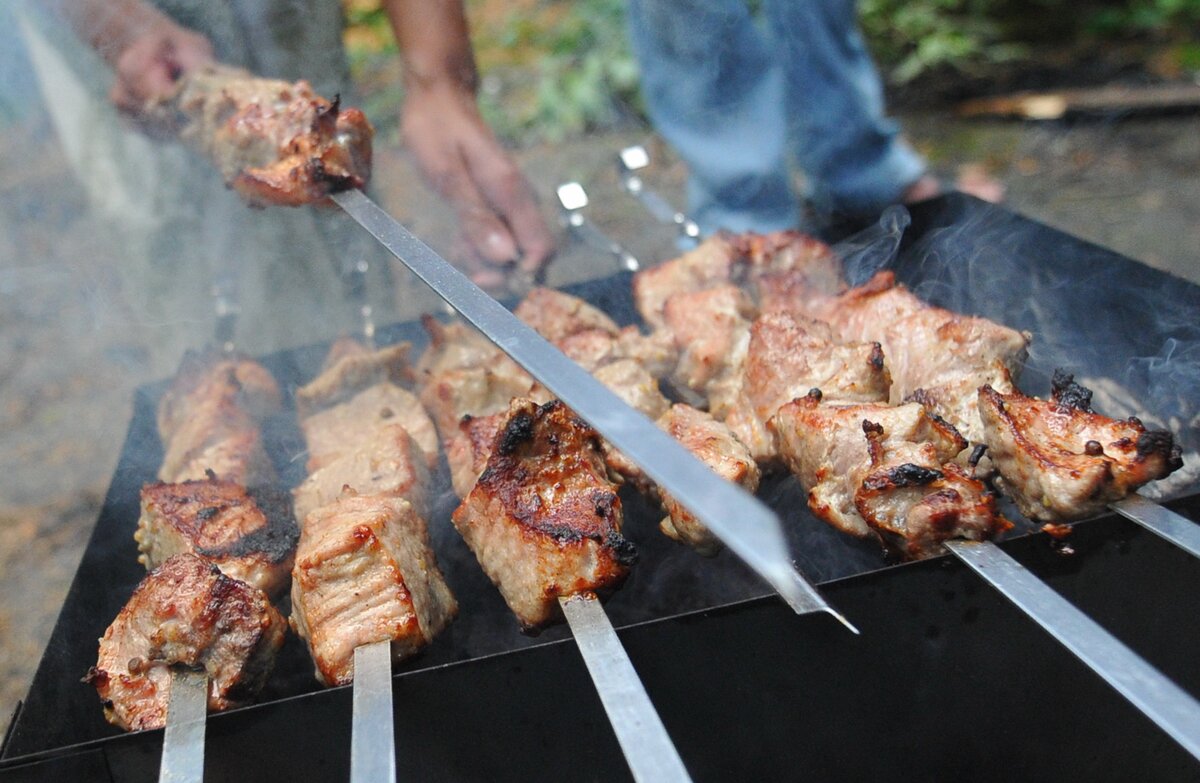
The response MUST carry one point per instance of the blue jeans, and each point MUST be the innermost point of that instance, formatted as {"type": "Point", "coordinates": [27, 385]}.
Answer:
{"type": "Point", "coordinates": [739, 102]}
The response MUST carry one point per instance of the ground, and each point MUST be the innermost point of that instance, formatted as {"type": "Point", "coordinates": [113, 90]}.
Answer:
{"type": "Point", "coordinates": [70, 360]}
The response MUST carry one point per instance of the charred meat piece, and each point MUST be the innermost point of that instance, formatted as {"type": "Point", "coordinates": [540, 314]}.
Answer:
{"type": "Point", "coordinates": [556, 315]}
{"type": "Point", "coordinates": [712, 330]}
{"type": "Point", "coordinates": [250, 536]}
{"type": "Point", "coordinates": [218, 438]}
{"type": "Point", "coordinates": [543, 519]}
{"type": "Point", "coordinates": [787, 358]}
{"type": "Point", "coordinates": [274, 142]}
{"type": "Point", "coordinates": [365, 573]}
{"type": "Point", "coordinates": [350, 368]}
{"type": "Point", "coordinates": [873, 470]}
{"type": "Point", "coordinates": [714, 445]}
{"type": "Point", "coordinates": [185, 613]}
{"type": "Point", "coordinates": [1060, 462]}
{"type": "Point", "coordinates": [343, 429]}
{"type": "Point", "coordinates": [390, 462]}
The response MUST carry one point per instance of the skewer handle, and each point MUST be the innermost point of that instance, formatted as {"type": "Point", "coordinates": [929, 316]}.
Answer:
{"type": "Point", "coordinates": [1163, 522]}
{"type": "Point", "coordinates": [629, 162]}
{"type": "Point", "coordinates": [573, 198]}
{"type": "Point", "coordinates": [643, 737]}
{"type": "Point", "coordinates": [1170, 707]}
{"type": "Point", "coordinates": [183, 741]}
{"type": "Point", "coordinates": [373, 737]}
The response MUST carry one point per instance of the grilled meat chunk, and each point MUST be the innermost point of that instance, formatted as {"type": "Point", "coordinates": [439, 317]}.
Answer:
{"type": "Point", "coordinates": [350, 368]}
{"type": "Point", "coordinates": [274, 142]}
{"type": "Point", "coordinates": [787, 358]}
{"type": "Point", "coordinates": [1059, 461]}
{"type": "Point", "coordinates": [873, 470]}
{"type": "Point", "coordinates": [389, 462]}
{"type": "Point", "coordinates": [343, 429]}
{"type": "Point", "coordinates": [186, 613]}
{"type": "Point", "coordinates": [218, 438]}
{"type": "Point", "coordinates": [556, 315]}
{"type": "Point", "coordinates": [250, 535]}
{"type": "Point", "coordinates": [365, 573]}
{"type": "Point", "coordinates": [207, 376]}
{"type": "Point", "coordinates": [714, 445]}
{"type": "Point", "coordinates": [712, 330]}
{"type": "Point", "coordinates": [543, 519]}
{"type": "Point", "coordinates": [711, 263]}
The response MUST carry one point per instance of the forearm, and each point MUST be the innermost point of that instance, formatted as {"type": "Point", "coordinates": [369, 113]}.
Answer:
{"type": "Point", "coordinates": [435, 44]}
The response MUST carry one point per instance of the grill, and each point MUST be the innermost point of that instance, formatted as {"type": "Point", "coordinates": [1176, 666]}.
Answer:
{"type": "Point", "coordinates": [946, 681]}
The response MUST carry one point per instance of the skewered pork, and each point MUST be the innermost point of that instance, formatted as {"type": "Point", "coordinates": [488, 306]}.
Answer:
{"type": "Point", "coordinates": [556, 315]}
{"type": "Point", "coordinates": [365, 573]}
{"type": "Point", "coordinates": [874, 470]}
{"type": "Point", "coordinates": [274, 142]}
{"type": "Point", "coordinates": [349, 368]}
{"type": "Point", "coordinates": [250, 536]}
{"type": "Point", "coordinates": [714, 445]}
{"type": "Point", "coordinates": [543, 519]}
{"type": "Point", "coordinates": [787, 358]}
{"type": "Point", "coordinates": [1060, 461]}
{"type": "Point", "coordinates": [389, 462]}
{"type": "Point", "coordinates": [185, 613]}
{"type": "Point", "coordinates": [209, 420]}
{"type": "Point", "coordinates": [341, 430]}
{"type": "Point", "coordinates": [712, 330]}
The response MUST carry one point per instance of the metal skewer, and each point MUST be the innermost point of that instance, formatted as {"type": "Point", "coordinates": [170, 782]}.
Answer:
{"type": "Point", "coordinates": [372, 735]}
{"type": "Point", "coordinates": [183, 741]}
{"type": "Point", "coordinates": [1176, 528]}
{"type": "Point", "coordinates": [750, 529]}
{"type": "Point", "coordinates": [1171, 708]}
{"type": "Point", "coordinates": [630, 161]}
{"type": "Point", "coordinates": [573, 198]}
{"type": "Point", "coordinates": [648, 748]}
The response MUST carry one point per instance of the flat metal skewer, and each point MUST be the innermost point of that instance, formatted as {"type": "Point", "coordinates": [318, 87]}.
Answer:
{"type": "Point", "coordinates": [183, 741]}
{"type": "Point", "coordinates": [1171, 708]}
{"type": "Point", "coordinates": [1163, 522]}
{"type": "Point", "coordinates": [750, 529]}
{"type": "Point", "coordinates": [630, 161]}
{"type": "Point", "coordinates": [572, 198]}
{"type": "Point", "coordinates": [372, 734]}
{"type": "Point", "coordinates": [643, 738]}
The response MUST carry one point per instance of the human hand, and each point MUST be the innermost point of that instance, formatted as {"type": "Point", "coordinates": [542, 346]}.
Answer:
{"type": "Point", "coordinates": [500, 225]}
{"type": "Point", "coordinates": [153, 60]}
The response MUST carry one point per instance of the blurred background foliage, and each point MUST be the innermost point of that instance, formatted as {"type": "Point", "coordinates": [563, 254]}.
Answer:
{"type": "Point", "coordinates": [552, 68]}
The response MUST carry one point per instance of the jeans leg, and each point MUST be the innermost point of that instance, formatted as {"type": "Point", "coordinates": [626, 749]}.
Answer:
{"type": "Point", "coordinates": [714, 91]}
{"type": "Point", "coordinates": [850, 151]}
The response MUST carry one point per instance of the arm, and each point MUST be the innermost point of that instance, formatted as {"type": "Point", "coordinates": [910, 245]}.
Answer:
{"type": "Point", "coordinates": [456, 151]}
{"type": "Point", "coordinates": [146, 49]}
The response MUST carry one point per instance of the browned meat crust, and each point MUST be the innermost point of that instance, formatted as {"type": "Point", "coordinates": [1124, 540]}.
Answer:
{"type": "Point", "coordinates": [365, 573]}
{"type": "Point", "coordinates": [349, 368]}
{"type": "Point", "coordinates": [467, 452]}
{"type": "Point", "coordinates": [211, 375]}
{"type": "Point", "coordinates": [711, 328]}
{"type": "Point", "coordinates": [250, 536]}
{"type": "Point", "coordinates": [274, 142]}
{"type": "Point", "coordinates": [714, 445]}
{"type": "Point", "coordinates": [543, 519]}
{"type": "Point", "coordinates": [1059, 461]}
{"type": "Point", "coordinates": [186, 613]}
{"type": "Point", "coordinates": [874, 470]}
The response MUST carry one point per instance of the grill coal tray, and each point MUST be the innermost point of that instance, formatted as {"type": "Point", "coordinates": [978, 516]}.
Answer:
{"type": "Point", "coordinates": [947, 680]}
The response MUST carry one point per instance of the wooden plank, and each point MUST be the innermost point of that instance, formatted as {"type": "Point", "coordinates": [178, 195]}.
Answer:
{"type": "Point", "coordinates": [1057, 104]}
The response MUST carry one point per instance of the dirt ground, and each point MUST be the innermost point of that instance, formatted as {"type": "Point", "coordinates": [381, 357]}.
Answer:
{"type": "Point", "coordinates": [70, 358]}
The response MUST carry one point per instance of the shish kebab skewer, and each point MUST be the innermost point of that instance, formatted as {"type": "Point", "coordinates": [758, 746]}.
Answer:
{"type": "Point", "coordinates": [745, 525]}
{"type": "Point", "coordinates": [630, 161]}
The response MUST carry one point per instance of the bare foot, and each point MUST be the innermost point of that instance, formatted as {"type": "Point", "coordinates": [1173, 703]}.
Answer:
{"type": "Point", "coordinates": [973, 180]}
